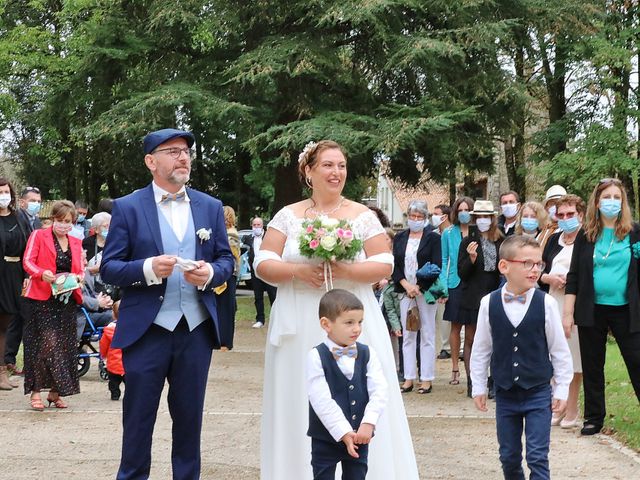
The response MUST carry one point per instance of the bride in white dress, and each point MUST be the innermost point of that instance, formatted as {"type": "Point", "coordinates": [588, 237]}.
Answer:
{"type": "Point", "coordinates": [294, 327]}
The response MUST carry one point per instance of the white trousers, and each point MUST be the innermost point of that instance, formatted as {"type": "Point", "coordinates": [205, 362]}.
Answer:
{"type": "Point", "coordinates": [427, 340]}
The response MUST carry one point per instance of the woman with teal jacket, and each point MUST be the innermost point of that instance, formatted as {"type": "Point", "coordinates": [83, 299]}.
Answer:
{"type": "Point", "coordinates": [451, 239]}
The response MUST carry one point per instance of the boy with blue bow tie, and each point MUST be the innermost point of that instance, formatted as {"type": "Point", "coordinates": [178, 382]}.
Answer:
{"type": "Point", "coordinates": [519, 334]}
{"type": "Point", "coordinates": [347, 390]}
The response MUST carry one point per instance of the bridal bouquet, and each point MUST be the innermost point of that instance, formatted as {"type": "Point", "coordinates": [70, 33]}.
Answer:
{"type": "Point", "coordinates": [328, 239]}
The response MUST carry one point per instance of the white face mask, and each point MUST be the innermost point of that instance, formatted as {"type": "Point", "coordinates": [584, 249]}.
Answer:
{"type": "Point", "coordinates": [483, 224]}
{"type": "Point", "coordinates": [552, 212]}
{"type": "Point", "coordinates": [5, 200]}
{"type": "Point", "coordinates": [436, 220]}
{"type": "Point", "coordinates": [509, 210]}
{"type": "Point", "coordinates": [257, 231]}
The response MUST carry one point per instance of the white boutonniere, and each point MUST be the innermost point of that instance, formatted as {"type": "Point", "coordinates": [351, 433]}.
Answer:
{"type": "Point", "coordinates": [204, 234]}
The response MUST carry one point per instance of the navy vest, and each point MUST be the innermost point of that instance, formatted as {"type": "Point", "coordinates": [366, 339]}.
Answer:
{"type": "Point", "coordinates": [351, 396]}
{"type": "Point", "coordinates": [520, 355]}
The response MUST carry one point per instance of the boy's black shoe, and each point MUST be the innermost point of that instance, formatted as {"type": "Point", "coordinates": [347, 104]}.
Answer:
{"type": "Point", "coordinates": [115, 395]}
{"type": "Point", "coordinates": [443, 355]}
{"type": "Point", "coordinates": [590, 429]}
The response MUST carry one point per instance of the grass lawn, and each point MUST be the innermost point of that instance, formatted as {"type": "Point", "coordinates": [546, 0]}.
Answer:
{"type": "Point", "coordinates": [623, 411]}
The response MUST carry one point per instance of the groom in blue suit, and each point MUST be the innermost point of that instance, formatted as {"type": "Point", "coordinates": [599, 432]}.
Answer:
{"type": "Point", "coordinates": [167, 248]}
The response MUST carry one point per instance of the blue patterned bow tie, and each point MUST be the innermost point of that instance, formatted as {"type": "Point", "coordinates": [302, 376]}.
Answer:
{"type": "Point", "coordinates": [172, 197]}
{"type": "Point", "coordinates": [351, 352]}
{"type": "Point", "coordinates": [508, 298]}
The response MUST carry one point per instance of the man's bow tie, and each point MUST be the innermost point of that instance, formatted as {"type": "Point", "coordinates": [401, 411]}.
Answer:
{"type": "Point", "coordinates": [351, 352]}
{"type": "Point", "coordinates": [508, 298]}
{"type": "Point", "coordinates": [172, 197]}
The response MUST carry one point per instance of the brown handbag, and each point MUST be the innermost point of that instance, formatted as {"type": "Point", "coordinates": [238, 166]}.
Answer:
{"type": "Point", "coordinates": [413, 318]}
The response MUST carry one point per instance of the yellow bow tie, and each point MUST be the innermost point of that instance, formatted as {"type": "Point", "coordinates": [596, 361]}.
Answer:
{"type": "Point", "coordinates": [172, 197]}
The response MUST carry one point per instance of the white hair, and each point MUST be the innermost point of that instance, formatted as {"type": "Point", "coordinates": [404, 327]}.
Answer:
{"type": "Point", "coordinates": [100, 219]}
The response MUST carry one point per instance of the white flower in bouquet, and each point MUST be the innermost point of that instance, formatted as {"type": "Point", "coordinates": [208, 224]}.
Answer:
{"type": "Point", "coordinates": [328, 242]}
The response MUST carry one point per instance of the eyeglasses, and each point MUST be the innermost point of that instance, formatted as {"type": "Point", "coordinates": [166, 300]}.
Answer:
{"type": "Point", "coordinates": [528, 264]}
{"type": "Point", "coordinates": [175, 152]}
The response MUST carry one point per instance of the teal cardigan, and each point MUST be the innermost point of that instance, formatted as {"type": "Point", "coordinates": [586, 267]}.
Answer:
{"type": "Point", "coordinates": [450, 243]}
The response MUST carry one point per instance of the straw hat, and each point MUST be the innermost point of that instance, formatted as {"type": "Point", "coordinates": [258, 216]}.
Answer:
{"type": "Point", "coordinates": [555, 191]}
{"type": "Point", "coordinates": [483, 207]}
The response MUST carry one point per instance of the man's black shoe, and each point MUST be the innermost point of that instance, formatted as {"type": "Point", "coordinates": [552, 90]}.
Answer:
{"type": "Point", "coordinates": [443, 355]}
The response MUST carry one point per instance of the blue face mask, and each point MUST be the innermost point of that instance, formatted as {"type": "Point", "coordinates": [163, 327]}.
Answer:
{"type": "Point", "coordinates": [33, 208]}
{"type": "Point", "coordinates": [610, 207]}
{"type": "Point", "coordinates": [104, 232]}
{"type": "Point", "coordinates": [569, 225]}
{"type": "Point", "coordinates": [529, 224]}
{"type": "Point", "coordinates": [415, 225]}
{"type": "Point", "coordinates": [81, 218]}
{"type": "Point", "coordinates": [464, 217]}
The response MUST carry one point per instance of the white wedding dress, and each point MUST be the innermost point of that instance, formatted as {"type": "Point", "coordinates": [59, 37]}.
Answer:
{"type": "Point", "coordinates": [294, 329]}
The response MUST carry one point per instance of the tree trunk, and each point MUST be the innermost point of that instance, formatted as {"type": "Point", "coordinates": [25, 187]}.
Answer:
{"type": "Point", "coordinates": [287, 187]}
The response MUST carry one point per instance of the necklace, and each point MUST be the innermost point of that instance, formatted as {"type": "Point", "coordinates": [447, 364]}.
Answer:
{"type": "Point", "coordinates": [327, 213]}
{"type": "Point", "coordinates": [566, 241]}
{"type": "Point", "coordinates": [604, 259]}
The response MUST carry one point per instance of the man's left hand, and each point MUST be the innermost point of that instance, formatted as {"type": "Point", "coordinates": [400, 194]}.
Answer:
{"type": "Point", "coordinates": [198, 276]}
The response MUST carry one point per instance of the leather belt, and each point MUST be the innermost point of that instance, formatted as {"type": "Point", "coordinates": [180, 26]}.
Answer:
{"type": "Point", "coordinates": [12, 259]}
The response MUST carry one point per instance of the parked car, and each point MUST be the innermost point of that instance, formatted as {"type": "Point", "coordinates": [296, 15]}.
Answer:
{"type": "Point", "coordinates": [244, 275]}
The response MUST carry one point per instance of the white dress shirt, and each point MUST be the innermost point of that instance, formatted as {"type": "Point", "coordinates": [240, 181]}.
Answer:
{"type": "Point", "coordinates": [177, 215]}
{"type": "Point", "coordinates": [257, 243]}
{"type": "Point", "coordinates": [328, 411]}
{"type": "Point", "coordinates": [559, 353]}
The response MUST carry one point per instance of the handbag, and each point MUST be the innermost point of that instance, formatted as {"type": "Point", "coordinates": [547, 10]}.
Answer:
{"type": "Point", "coordinates": [413, 318]}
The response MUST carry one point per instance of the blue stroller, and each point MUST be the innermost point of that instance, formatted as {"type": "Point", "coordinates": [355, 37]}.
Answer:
{"type": "Point", "coordinates": [87, 350]}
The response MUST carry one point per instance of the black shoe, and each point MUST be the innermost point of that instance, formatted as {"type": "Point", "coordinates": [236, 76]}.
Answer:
{"type": "Point", "coordinates": [406, 389]}
{"type": "Point", "coordinates": [115, 395]}
{"type": "Point", "coordinates": [443, 355]}
{"type": "Point", "coordinates": [469, 387]}
{"type": "Point", "coordinates": [590, 429]}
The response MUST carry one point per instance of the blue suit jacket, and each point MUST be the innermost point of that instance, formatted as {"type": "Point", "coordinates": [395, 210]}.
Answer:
{"type": "Point", "coordinates": [134, 235]}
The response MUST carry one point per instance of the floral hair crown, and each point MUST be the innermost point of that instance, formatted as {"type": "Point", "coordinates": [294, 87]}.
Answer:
{"type": "Point", "coordinates": [305, 151]}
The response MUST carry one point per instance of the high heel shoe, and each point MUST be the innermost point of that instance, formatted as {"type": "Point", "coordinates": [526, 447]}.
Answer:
{"type": "Point", "coordinates": [455, 377]}
{"type": "Point", "coordinates": [565, 423]}
{"type": "Point", "coordinates": [424, 389]}
{"type": "Point", "coordinates": [57, 402]}
{"type": "Point", "coordinates": [36, 404]}
{"type": "Point", "coordinates": [555, 420]}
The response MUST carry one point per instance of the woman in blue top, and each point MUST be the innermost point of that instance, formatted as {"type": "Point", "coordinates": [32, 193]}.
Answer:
{"type": "Point", "coordinates": [450, 243]}
{"type": "Point", "coordinates": [602, 294]}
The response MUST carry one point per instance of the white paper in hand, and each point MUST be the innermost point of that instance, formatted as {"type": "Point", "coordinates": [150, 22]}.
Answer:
{"type": "Point", "coordinates": [186, 264]}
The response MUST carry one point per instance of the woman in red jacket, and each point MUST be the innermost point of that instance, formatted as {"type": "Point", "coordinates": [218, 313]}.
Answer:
{"type": "Point", "coordinates": [50, 332]}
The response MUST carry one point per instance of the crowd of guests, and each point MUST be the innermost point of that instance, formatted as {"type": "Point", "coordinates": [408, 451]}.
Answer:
{"type": "Point", "coordinates": [590, 267]}
{"type": "Point", "coordinates": [49, 284]}
{"type": "Point", "coordinates": [590, 256]}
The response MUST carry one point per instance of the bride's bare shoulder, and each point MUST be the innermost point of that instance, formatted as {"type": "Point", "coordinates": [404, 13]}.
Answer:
{"type": "Point", "coordinates": [355, 208]}
{"type": "Point", "coordinates": [299, 208]}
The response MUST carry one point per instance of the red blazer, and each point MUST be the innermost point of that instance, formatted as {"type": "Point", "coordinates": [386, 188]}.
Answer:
{"type": "Point", "coordinates": [40, 255]}
{"type": "Point", "coordinates": [113, 356]}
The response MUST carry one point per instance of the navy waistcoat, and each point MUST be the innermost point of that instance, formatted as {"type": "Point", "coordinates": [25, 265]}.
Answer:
{"type": "Point", "coordinates": [520, 355]}
{"type": "Point", "coordinates": [351, 396]}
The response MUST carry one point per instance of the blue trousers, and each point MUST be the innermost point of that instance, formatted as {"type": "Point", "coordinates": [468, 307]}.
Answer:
{"type": "Point", "coordinates": [182, 358]}
{"type": "Point", "coordinates": [326, 455]}
{"type": "Point", "coordinates": [517, 408]}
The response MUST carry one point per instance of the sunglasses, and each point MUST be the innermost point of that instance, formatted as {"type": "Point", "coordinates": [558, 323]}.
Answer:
{"type": "Point", "coordinates": [607, 181]}
{"type": "Point", "coordinates": [26, 190]}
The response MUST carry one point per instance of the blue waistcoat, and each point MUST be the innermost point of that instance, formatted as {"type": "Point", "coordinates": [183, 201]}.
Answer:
{"type": "Point", "coordinates": [351, 396]}
{"type": "Point", "coordinates": [520, 355]}
{"type": "Point", "coordinates": [180, 297]}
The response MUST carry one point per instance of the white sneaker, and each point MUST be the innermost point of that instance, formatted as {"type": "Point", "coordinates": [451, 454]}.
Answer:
{"type": "Point", "coordinates": [257, 325]}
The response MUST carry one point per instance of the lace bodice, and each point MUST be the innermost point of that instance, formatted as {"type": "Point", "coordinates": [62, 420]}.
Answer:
{"type": "Point", "coordinates": [365, 226]}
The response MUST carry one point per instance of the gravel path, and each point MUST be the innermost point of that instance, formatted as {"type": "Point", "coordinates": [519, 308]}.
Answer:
{"type": "Point", "coordinates": [452, 440]}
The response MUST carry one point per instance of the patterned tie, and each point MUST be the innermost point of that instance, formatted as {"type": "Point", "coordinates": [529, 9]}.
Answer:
{"type": "Point", "coordinates": [351, 352]}
{"type": "Point", "coordinates": [508, 298]}
{"type": "Point", "coordinates": [172, 197]}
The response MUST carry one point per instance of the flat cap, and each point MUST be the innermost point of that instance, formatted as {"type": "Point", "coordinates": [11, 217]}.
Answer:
{"type": "Point", "coordinates": [153, 139]}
